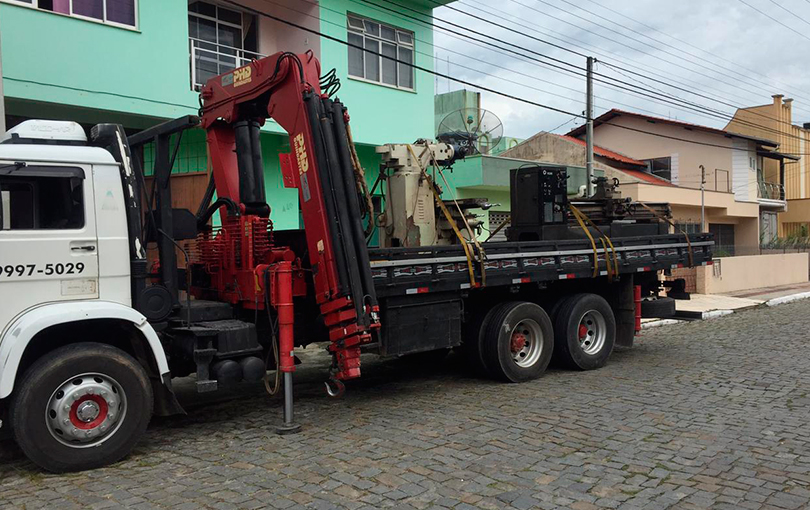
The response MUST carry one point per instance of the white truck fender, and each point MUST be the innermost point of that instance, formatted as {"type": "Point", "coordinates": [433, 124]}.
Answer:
{"type": "Point", "coordinates": [25, 326]}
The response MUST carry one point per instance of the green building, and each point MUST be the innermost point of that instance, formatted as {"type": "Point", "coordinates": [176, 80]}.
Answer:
{"type": "Point", "coordinates": [140, 62]}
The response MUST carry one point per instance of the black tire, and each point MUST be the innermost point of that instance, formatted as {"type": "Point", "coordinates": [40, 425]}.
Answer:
{"type": "Point", "coordinates": [473, 346]}
{"type": "Point", "coordinates": [501, 355]}
{"type": "Point", "coordinates": [591, 350]}
{"type": "Point", "coordinates": [658, 308]}
{"type": "Point", "coordinates": [110, 368]}
{"type": "Point", "coordinates": [554, 309]}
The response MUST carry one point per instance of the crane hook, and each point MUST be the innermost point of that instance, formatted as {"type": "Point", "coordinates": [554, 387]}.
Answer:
{"type": "Point", "coordinates": [335, 387]}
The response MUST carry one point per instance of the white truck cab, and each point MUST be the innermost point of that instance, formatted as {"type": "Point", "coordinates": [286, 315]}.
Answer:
{"type": "Point", "coordinates": [65, 288]}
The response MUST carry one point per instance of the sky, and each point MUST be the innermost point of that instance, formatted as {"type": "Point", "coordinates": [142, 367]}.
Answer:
{"type": "Point", "coordinates": [720, 54]}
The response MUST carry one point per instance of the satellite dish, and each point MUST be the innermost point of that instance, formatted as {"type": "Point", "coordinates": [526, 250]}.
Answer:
{"type": "Point", "coordinates": [480, 131]}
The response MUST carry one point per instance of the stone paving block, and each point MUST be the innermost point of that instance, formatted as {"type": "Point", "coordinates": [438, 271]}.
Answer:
{"type": "Point", "coordinates": [701, 415]}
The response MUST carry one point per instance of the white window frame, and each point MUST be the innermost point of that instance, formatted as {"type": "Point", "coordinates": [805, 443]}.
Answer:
{"type": "Point", "coordinates": [380, 40]}
{"type": "Point", "coordinates": [242, 55]}
{"type": "Point", "coordinates": [34, 4]}
{"type": "Point", "coordinates": [240, 26]}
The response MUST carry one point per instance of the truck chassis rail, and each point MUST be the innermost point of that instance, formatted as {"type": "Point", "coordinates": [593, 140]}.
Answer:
{"type": "Point", "coordinates": [398, 271]}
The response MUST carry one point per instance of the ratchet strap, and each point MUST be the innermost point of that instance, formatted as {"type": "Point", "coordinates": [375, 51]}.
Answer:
{"type": "Point", "coordinates": [613, 269]}
{"type": "Point", "coordinates": [577, 214]}
{"type": "Point", "coordinates": [685, 235]}
{"type": "Point", "coordinates": [478, 248]}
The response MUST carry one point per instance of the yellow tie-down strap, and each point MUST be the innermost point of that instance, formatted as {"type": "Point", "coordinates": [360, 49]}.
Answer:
{"type": "Point", "coordinates": [450, 220]}
{"type": "Point", "coordinates": [607, 245]}
{"type": "Point", "coordinates": [685, 235]}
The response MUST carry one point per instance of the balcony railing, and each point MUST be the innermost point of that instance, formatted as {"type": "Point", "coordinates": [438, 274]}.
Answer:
{"type": "Point", "coordinates": [209, 59]}
{"type": "Point", "coordinates": [770, 191]}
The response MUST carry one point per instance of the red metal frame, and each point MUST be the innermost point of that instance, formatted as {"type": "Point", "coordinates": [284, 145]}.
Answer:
{"type": "Point", "coordinates": [242, 248]}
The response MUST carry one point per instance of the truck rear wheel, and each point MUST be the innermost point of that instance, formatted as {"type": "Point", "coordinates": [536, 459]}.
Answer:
{"type": "Point", "coordinates": [80, 407]}
{"type": "Point", "coordinates": [517, 342]}
{"type": "Point", "coordinates": [584, 332]}
{"type": "Point", "coordinates": [473, 346]}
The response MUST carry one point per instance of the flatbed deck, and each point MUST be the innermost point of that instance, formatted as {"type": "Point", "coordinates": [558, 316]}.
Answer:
{"type": "Point", "coordinates": [402, 271]}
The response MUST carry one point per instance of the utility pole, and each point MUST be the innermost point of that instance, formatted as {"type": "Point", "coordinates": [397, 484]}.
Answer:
{"type": "Point", "coordinates": [589, 125]}
{"type": "Point", "coordinates": [702, 201]}
{"type": "Point", "coordinates": [2, 97]}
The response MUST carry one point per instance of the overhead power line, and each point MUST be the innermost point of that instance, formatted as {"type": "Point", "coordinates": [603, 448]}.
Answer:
{"type": "Point", "coordinates": [670, 99]}
{"type": "Point", "coordinates": [498, 66]}
{"type": "Point", "coordinates": [694, 90]}
{"type": "Point", "coordinates": [458, 80]}
{"type": "Point", "coordinates": [688, 107]}
{"type": "Point", "coordinates": [599, 51]}
{"type": "Point", "coordinates": [775, 20]}
{"type": "Point", "coordinates": [687, 43]}
{"type": "Point", "coordinates": [789, 12]}
{"type": "Point", "coordinates": [642, 34]}
{"type": "Point", "coordinates": [544, 13]}
{"type": "Point", "coordinates": [561, 125]}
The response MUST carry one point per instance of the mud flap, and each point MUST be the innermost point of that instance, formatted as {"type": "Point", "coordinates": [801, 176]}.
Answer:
{"type": "Point", "coordinates": [624, 310]}
{"type": "Point", "coordinates": [166, 403]}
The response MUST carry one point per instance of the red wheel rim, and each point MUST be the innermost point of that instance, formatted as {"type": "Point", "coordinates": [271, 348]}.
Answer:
{"type": "Point", "coordinates": [102, 412]}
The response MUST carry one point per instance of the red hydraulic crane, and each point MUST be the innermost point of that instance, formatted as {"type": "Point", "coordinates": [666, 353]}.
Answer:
{"type": "Point", "coordinates": [245, 266]}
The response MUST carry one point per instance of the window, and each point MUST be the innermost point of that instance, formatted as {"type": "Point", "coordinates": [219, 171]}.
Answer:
{"type": "Point", "coordinates": [382, 46]}
{"type": "Point", "coordinates": [687, 227]}
{"type": "Point", "coordinates": [722, 180]}
{"type": "Point", "coordinates": [661, 167]}
{"type": "Point", "coordinates": [723, 239]}
{"type": "Point", "coordinates": [42, 200]}
{"type": "Point", "coordinates": [114, 12]}
{"type": "Point", "coordinates": [222, 39]}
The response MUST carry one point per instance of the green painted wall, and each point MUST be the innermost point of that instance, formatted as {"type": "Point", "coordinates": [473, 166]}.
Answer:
{"type": "Point", "coordinates": [381, 114]}
{"type": "Point", "coordinates": [56, 66]}
{"type": "Point", "coordinates": [58, 59]}
{"type": "Point", "coordinates": [192, 155]}
{"type": "Point", "coordinates": [450, 102]}
{"type": "Point", "coordinates": [283, 201]}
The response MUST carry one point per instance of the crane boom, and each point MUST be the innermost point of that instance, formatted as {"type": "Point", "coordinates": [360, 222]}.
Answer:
{"type": "Point", "coordinates": [285, 87]}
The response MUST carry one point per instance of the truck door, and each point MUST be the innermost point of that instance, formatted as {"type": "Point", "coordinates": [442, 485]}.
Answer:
{"type": "Point", "coordinates": [48, 245]}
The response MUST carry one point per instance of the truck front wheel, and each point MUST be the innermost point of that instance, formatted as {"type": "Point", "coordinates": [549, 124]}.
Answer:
{"type": "Point", "coordinates": [80, 407]}
{"type": "Point", "coordinates": [584, 332]}
{"type": "Point", "coordinates": [518, 341]}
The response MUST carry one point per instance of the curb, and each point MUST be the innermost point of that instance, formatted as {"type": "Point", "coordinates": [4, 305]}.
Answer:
{"type": "Point", "coordinates": [712, 314]}
{"type": "Point", "coordinates": [787, 299]}
{"type": "Point", "coordinates": [659, 323]}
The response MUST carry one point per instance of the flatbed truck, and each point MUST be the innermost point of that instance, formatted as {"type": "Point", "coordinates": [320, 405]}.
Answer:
{"type": "Point", "coordinates": [92, 331]}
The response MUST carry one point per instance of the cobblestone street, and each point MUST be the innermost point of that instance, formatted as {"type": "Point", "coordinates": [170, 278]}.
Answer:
{"type": "Point", "coordinates": [710, 414]}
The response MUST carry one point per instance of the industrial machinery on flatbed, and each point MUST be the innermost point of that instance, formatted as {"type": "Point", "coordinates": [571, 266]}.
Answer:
{"type": "Point", "coordinates": [92, 330]}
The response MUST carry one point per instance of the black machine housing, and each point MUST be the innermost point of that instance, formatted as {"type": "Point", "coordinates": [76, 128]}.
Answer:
{"type": "Point", "coordinates": [539, 197]}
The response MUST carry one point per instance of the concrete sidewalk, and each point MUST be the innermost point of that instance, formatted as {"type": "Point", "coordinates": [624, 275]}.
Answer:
{"type": "Point", "coordinates": [716, 305]}
{"type": "Point", "coordinates": [769, 293]}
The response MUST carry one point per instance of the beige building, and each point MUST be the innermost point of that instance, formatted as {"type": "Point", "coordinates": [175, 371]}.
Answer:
{"type": "Point", "coordinates": [680, 153]}
{"type": "Point", "coordinates": [567, 150]}
{"type": "Point", "coordinates": [775, 121]}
